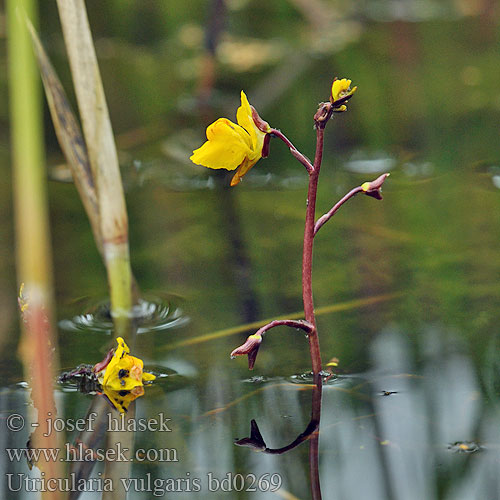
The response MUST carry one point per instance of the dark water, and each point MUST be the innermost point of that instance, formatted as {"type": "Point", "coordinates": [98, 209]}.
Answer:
{"type": "Point", "coordinates": [407, 289]}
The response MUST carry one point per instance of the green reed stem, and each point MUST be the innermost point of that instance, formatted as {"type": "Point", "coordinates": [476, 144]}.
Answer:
{"type": "Point", "coordinates": [102, 154]}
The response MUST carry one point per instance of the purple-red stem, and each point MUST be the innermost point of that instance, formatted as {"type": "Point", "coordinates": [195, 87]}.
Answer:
{"type": "Point", "coordinates": [309, 232]}
{"type": "Point", "coordinates": [307, 256]}
{"type": "Point", "coordinates": [334, 209]}
{"type": "Point", "coordinates": [295, 152]}
{"type": "Point", "coordinates": [299, 324]}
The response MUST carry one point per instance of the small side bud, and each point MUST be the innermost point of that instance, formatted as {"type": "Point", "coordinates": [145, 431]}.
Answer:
{"type": "Point", "coordinates": [250, 348]}
{"type": "Point", "coordinates": [374, 188]}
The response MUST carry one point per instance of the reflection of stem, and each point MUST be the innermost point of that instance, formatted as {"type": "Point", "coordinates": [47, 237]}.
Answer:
{"type": "Point", "coordinates": [240, 263]}
{"type": "Point", "coordinates": [314, 441]}
{"type": "Point", "coordinates": [257, 442]}
{"type": "Point", "coordinates": [311, 433]}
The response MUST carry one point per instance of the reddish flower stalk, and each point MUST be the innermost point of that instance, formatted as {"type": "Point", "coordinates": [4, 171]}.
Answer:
{"type": "Point", "coordinates": [295, 152]}
{"type": "Point", "coordinates": [307, 256]}
{"type": "Point", "coordinates": [334, 209]}
{"type": "Point", "coordinates": [252, 344]}
{"type": "Point", "coordinates": [372, 189]}
{"type": "Point", "coordinates": [341, 93]}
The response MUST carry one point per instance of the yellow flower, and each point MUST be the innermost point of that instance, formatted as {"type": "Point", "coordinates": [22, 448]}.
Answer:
{"type": "Point", "coordinates": [233, 146]}
{"type": "Point", "coordinates": [341, 91]}
{"type": "Point", "coordinates": [124, 372]}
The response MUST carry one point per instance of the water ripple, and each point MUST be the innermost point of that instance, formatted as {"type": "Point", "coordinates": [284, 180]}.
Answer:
{"type": "Point", "coordinates": [151, 314]}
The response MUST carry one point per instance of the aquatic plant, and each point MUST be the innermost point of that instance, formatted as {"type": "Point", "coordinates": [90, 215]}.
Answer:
{"type": "Point", "coordinates": [239, 147]}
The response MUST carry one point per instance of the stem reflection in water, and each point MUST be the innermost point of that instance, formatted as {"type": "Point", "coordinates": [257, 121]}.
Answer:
{"type": "Point", "coordinates": [310, 433]}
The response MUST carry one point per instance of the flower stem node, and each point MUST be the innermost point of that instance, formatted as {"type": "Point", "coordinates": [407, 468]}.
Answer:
{"type": "Point", "coordinates": [374, 188]}
{"type": "Point", "coordinates": [234, 146]}
{"type": "Point", "coordinates": [323, 114]}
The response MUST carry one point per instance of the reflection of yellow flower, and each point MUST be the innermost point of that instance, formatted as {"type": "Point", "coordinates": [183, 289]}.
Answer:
{"type": "Point", "coordinates": [123, 377]}
{"type": "Point", "coordinates": [231, 146]}
{"type": "Point", "coordinates": [122, 399]}
{"type": "Point", "coordinates": [340, 90]}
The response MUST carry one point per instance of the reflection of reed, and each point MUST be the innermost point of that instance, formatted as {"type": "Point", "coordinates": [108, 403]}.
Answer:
{"type": "Point", "coordinates": [239, 259]}
{"type": "Point", "coordinates": [90, 439]}
{"type": "Point", "coordinates": [208, 73]}
{"type": "Point", "coordinates": [118, 469]}
{"type": "Point", "coordinates": [106, 428]}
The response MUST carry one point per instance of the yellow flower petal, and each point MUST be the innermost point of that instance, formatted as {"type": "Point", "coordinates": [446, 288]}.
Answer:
{"type": "Point", "coordinates": [340, 88]}
{"type": "Point", "coordinates": [124, 372]}
{"type": "Point", "coordinates": [244, 118]}
{"type": "Point", "coordinates": [243, 170]}
{"type": "Point", "coordinates": [230, 146]}
{"type": "Point", "coordinates": [148, 377]}
{"type": "Point", "coordinates": [226, 128]}
{"type": "Point", "coordinates": [227, 146]}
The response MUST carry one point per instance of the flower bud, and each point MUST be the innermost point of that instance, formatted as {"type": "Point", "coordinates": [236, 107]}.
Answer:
{"type": "Point", "coordinates": [250, 348]}
{"type": "Point", "coordinates": [374, 188]}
